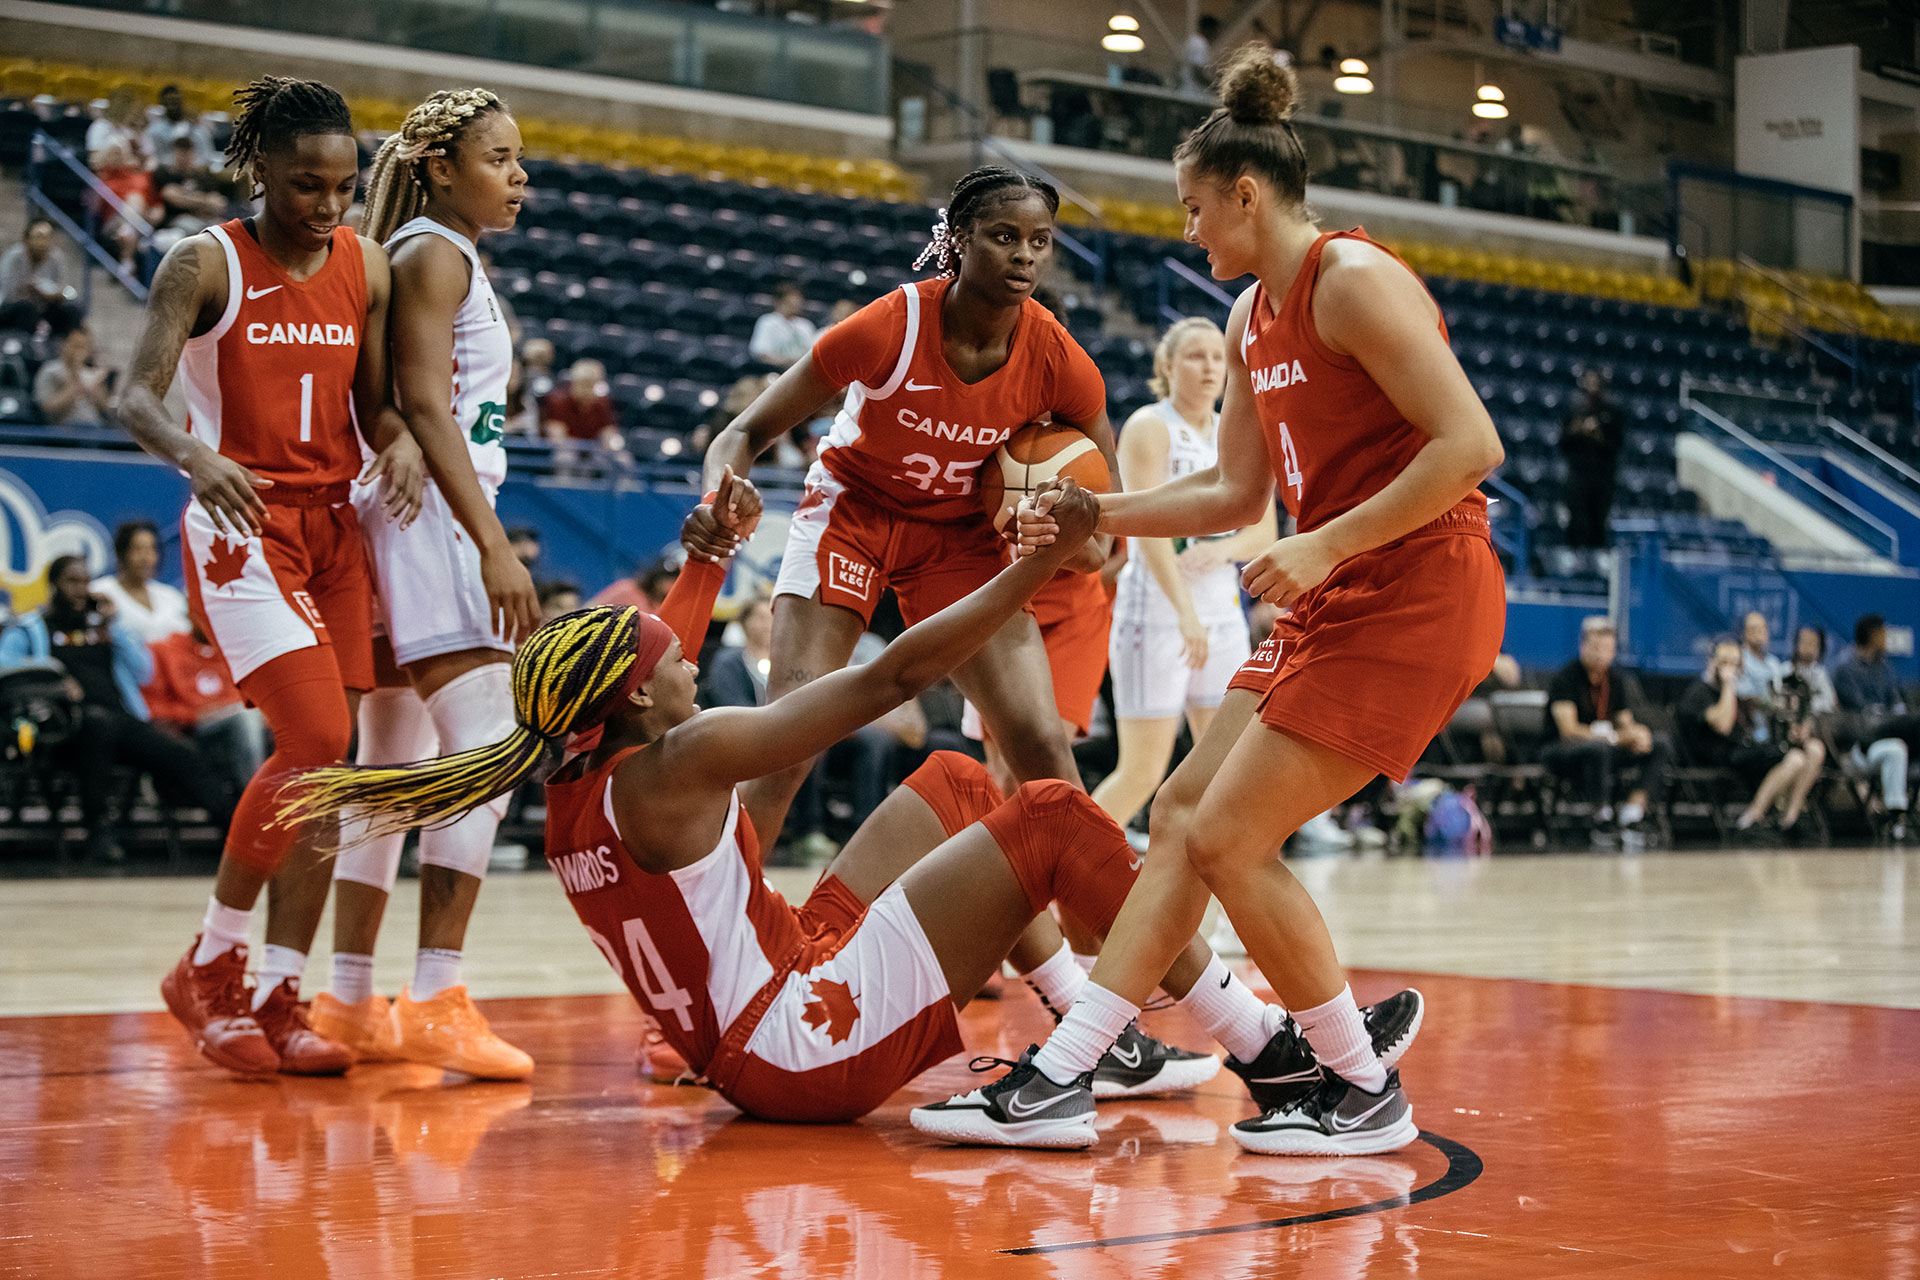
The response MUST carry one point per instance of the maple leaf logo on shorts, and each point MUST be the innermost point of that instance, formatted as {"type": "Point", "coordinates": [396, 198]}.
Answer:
{"type": "Point", "coordinates": [832, 1009]}
{"type": "Point", "coordinates": [227, 562]}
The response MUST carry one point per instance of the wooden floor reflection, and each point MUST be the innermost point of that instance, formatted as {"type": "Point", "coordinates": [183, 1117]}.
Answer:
{"type": "Point", "coordinates": [1615, 1133]}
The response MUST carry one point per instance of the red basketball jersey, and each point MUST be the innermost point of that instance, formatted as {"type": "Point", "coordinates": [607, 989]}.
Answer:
{"type": "Point", "coordinates": [695, 946]}
{"type": "Point", "coordinates": [271, 385]}
{"type": "Point", "coordinates": [1334, 437]}
{"type": "Point", "coordinates": [911, 435]}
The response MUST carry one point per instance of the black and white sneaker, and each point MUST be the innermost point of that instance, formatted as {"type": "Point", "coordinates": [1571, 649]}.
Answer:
{"type": "Point", "coordinates": [1285, 1071]}
{"type": "Point", "coordinates": [1337, 1119]}
{"type": "Point", "coordinates": [1138, 1066]}
{"type": "Point", "coordinates": [1023, 1108]}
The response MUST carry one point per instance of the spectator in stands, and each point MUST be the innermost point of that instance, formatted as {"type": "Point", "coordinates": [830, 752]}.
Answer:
{"type": "Point", "coordinates": [106, 664]}
{"type": "Point", "coordinates": [782, 335]}
{"type": "Point", "coordinates": [737, 675]}
{"type": "Point", "coordinates": [533, 383]}
{"type": "Point", "coordinates": [72, 391]}
{"type": "Point", "coordinates": [1596, 736]}
{"type": "Point", "coordinates": [579, 416]}
{"type": "Point", "coordinates": [176, 125]}
{"type": "Point", "coordinates": [1718, 730]}
{"type": "Point", "coordinates": [34, 284]}
{"type": "Point", "coordinates": [1873, 724]}
{"type": "Point", "coordinates": [525, 541]}
{"type": "Point", "coordinates": [557, 599]}
{"type": "Point", "coordinates": [192, 695]}
{"type": "Point", "coordinates": [1591, 438]}
{"type": "Point", "coordinates": [1809, 667]}
{"type": "Point", "coordinates": [150, 607]}
{"type": "Point", "coordinates": [118, 136]}
{"type": "Point", "coordinates": [117, 154]}
{"type": "Point", "coordinates": [191, 200]}
{"type": "Point", "coordinates": [1197, 66]}
{"type": "Point", "coordinates": [1760, 671]}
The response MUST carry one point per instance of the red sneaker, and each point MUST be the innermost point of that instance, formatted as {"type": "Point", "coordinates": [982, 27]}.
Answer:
{"type": "Point", "coordinates": [212, 1002]}
{"type": "Point", "coordinates": [303, 1051]}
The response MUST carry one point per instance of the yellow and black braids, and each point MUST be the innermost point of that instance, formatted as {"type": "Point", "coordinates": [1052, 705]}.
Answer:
{"type": "Point", "coordinates": [397, 187]}
{"type": "Point", "coordinates": [563, 679]}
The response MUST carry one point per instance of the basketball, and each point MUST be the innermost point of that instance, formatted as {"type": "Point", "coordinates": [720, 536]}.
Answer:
{"type": "Point", "coordinates": [1033, 455]}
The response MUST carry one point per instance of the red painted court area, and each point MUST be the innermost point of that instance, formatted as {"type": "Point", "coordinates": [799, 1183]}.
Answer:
{"type": "Point", "coordinates": [1572, 1131]}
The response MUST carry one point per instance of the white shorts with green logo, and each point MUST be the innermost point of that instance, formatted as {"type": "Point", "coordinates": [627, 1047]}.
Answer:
{"type": "Point", "coordinates": [427, 579]}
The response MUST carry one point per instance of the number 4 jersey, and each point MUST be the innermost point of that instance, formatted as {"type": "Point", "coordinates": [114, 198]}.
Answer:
{"type": "Point", "coordinates": [911, 436]}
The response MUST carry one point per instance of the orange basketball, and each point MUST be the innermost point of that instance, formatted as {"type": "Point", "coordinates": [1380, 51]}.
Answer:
{"type": "Point", "coordinates": [1033, 455]}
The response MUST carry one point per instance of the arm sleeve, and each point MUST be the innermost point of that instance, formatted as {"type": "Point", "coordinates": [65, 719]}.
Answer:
{"type": "Point", "coordinates": [863, 347]}
{"type": "Point", "coordinates": [688, 608]}
{"type": "Point", "coordinates": [1079, 392]}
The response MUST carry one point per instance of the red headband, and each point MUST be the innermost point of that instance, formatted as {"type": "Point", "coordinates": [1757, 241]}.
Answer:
{"type": "Point", "coordinates": [651, 640]}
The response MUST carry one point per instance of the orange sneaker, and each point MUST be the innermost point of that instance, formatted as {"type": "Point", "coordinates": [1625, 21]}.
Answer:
{"type": "Point", "coordinates": [366, 1028]}
{"type": "Point", "coordinates": [303, 1052]}
{"type": "Point", "coordinates": [213, 1003]}
{"type": "Point", "coordinates": [657, 1060]}
{"type": "Point", "coordinates": [448, 1032]}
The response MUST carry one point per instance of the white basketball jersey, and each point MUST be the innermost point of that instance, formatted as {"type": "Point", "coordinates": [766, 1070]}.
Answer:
{"type": "Point", "coordinates": [482, 358]}
{"type": "Point", "coordinates": [1216, 594]}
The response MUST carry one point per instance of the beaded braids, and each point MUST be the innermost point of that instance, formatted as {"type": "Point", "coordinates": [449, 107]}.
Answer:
{"type": "Point", "coordinates": [972, 196]}
{"type": "Point", "coordinates": [397, 188]}
{"type": "Point", "coordinates": [273, 111]}
{"type": "Point", "coordinates": [566, 679]}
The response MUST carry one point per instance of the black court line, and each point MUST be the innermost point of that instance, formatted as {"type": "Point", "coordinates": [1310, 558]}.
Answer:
{"type": "Point", "coordinates": [1463, 1167]}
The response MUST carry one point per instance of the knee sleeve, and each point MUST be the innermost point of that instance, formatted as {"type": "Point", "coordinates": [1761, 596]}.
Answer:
{"type": "Point", "coordinates": [957, 789]}
{"type": "Point", "coordinates": [305, 706]}
{"type": "Point", "coordinates": [471, 710]}
{"type": "Point", "coordinates": [394, 728]}
{"type": "Point", "coordinates": [1064, 848]}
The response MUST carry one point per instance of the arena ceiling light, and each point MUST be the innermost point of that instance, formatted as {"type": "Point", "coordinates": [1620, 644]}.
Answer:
{"type": "Point", "coordinates": [1490, 110]}
{"type": "Point", "coordinates": [1491, 93]}
{"type": "Point", "coordinates": [1122, 42]}
{"type": "Point", "coordinates": [1123, 22]}
{"type": "Point", "coordinates": [1352, 67]}
{"type": "Point", "coordinates": [1352, 83]}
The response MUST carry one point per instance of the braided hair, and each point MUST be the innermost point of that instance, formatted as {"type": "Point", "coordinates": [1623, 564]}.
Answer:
{"type": "Point", "coordinates": [566, 679]}
{"type": "Point", "coordinates": [972, 196]}
{"type": "Point", "coordinates": [274, 110]}
{"type": "Point", "coordinates": [397, 188]}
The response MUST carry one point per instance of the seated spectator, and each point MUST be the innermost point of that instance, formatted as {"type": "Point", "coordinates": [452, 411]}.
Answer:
{"type": "Point", "coordinates": [1760, 671]}
{"type": "Point", "coordinates": [152, 608]}
{"type": "Point", "coordinates": [558, 599]}
{"type": "Point", "coordinates": [117, 154]}
{"type": "Point", "coordinates": [1718, 729]}
{"type": "Point", "coordinates": [579, 416]}
{"type": "Point", "coordinates": [34, 286]}
{"type": "Point", "coordinates": [192, 695]}
{"type": "Point", "coordinates": [1873, 724]}
{"type": "Point", "coordinates": [532, 384]}
{"type": "Point", "coordinates": [783, 335]}
{"type": "Point", "coordinates": [737, 675]}
{"type": "Point", "coordinates": [525, 541]}
{"type": "Point", "coordinates": [1596, 736]}
{"type": "Point", "coordinates": [177, 125]}
{"type": "Point", "coordinates": [106, 664]}
{"type": "Point", "coordinates": [1590, 438]}
{"type": "Point", "coordinates": [646, 589]}
{"type": "Point", "coordinates": [72, 391]}
{"type": "Point", "coordinates": [118, 136]}
{"type": "Point", "coordinates": [190, 198]}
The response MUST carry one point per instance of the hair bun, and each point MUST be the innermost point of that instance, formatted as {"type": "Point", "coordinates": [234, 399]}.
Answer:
{"type": "Point", "coordinates": [1255, 89]}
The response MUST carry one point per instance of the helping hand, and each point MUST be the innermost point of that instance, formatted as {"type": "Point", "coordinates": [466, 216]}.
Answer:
{"type": "Point", "coordinates": [402, 471]}
{"type": "Point", "coordinates": [513, 606]}
{"type": "Point", "coordinates": [715, 530]}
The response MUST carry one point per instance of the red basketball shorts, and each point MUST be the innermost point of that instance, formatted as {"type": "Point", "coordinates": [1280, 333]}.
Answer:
{"type": "Point", "coordinates": [1075, 616]}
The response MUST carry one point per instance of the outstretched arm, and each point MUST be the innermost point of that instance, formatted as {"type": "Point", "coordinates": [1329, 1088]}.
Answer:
{"type": "Point", "coordinates": [794, 396]}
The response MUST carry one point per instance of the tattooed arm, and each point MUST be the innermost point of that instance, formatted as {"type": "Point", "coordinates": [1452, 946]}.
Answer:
{"type": "Point", "coordinates": [189, 293]}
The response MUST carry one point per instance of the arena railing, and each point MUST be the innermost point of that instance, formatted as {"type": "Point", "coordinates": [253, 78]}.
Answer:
{"type": "Point", "coordinates": [85, 234]}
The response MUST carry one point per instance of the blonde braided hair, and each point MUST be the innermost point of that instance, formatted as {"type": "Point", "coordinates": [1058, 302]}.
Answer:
{"type": "Point", "coordinates": [397, 190]}
{"type": "Point", "coordinates": [565, 680]}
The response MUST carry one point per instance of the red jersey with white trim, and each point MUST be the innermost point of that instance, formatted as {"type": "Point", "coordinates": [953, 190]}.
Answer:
{"type": "Point", "coordinates": [695, 945]}
{"type": "Point", "coordinates": [1333, 435]}
{"type": "Point", "coordinates": [271, 385]}
{"type": "Point", "coordinates": [911, 435]}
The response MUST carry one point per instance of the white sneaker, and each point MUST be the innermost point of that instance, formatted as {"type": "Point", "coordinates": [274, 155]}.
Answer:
{"type": "Point", "coordinates": [1324, 834]}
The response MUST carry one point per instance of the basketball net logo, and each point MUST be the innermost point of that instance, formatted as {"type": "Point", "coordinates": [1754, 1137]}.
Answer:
{"type": "Point", "coordinates": [849, 576]}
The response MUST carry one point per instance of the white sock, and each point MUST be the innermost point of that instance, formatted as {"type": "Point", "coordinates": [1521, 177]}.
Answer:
{"type": "Point", "coordinates": [1086, 963]}
{"type": "Point", "coordinates": [277, 964]}
{"type": "Point", "coordinates": [1231, 1013]}
{"type": "Point", "coordinates": [352, 977]}
{"type": "Point", "coordinates": [223, 929]}
{"type": "Point", "coordinates": [1339, 1038]}
{"type": "Point", "coordinates": [1058, 981]}
{"type": "Point", "coordinates": [434, 970]}
{"type": "Point", "coordinates": [1084, 1035]}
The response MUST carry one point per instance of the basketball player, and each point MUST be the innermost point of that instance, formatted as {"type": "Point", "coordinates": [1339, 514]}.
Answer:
{"type": "Point", "coordinates": [817, 1013]}
{"type": "Point", "coordinates": [277, 324]}
{"type": "Point", "coordinates": [1338, 372]}
{"type": "Point", "coordinates": [454, 598]}
{"type": "Point", "coordinates": [1179, 634]}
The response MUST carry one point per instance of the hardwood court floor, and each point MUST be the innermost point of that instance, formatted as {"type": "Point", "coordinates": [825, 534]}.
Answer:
{"type": "Point", "coordinates": [1572, 1130]}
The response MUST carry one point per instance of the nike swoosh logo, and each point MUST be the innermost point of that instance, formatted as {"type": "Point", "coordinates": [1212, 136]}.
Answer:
{"type": "Point", "coordinates": [1020, 1112]}
{"type": "Point", "coordinates": [260, 293]}
{"type": "Point", "coordinates": [1290, 1078]}
{"type": "Point", "coordinates": [1345, 1126]}
{"type": "Point", "coordinates": [1225, 981]}
{"type": "Point", "coordinates": [1131, 1058]}
{"type": "Point", "coordinates": [1133, 862]}
{"type": "Point", "coordinates": [922, 386]}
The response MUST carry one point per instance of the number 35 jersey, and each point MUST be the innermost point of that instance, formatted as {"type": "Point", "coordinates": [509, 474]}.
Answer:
{"type": "Point", "coordinates": [911, 436]}
{"type": "Point", "coordinates": [271, 384]}
{"type": "Point", "coordinates": [1334, 437]}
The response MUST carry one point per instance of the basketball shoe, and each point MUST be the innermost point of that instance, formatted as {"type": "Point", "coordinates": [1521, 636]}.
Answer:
{"type": "Point", "coordinates": [447, 1031]}
{"type": "Point", "coordinates": [657, 1060]}
{"type": "Point", "coordinates": [366, 1028]}
{"type": "Point", "coordinates": [1138, 1066]}
{"type": "Point", "coordinates": [1023, 1108]}
{"type": "Point", "coordinates": [1285, 1070]}
{"type": "Point", "coordinates": [213, 1003]}
{"type": "Point", "coordinates": [1337, 1119]}
{"type": "Point", "coordinates": [302, 1050]}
